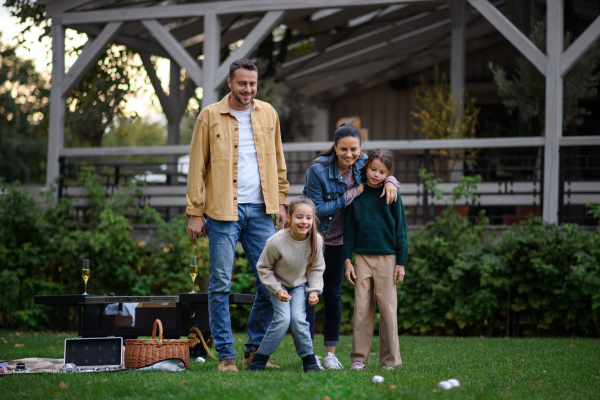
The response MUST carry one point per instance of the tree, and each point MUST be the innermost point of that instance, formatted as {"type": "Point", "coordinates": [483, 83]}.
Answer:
{"type": "Point", "coordinates": [23, 127]}
{"type": "Point", "coordinates": [295, 110]}
{"type": "Point", "coordinates": [442, 117]}
{"type": "Point", "coordinates": [98, 100]}
{"type": "Point", "coordinates": [133, 133]}
{"type": "Point", "coordinates": [525, 91]}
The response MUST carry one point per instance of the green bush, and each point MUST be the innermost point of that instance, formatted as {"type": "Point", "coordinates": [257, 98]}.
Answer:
{"type": "Point", "coordinates": [554, 277]}
{"type": "Point", "coordinates": [539, 279]}
{"type": "Point", "coordinates": [536, 279]}
{"type": "Point", "coordinates": [443, 291]}
{"type": "Point", "coordinates": [41, 248]}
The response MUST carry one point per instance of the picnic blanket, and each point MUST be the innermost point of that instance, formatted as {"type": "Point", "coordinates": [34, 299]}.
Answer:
{"type": "Point", "coordinates": [36, 365]}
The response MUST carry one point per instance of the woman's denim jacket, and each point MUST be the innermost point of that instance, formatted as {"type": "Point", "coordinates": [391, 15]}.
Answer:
{"type": "Point", "coordinates": [326, 187]}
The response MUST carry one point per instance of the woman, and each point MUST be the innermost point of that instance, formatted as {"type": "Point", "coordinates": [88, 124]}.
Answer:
{"type": "Point", "coordinates": [332, 183]}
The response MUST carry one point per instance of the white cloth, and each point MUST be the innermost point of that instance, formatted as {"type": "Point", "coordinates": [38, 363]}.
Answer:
{"type": "Point", "coordinates": [249, 189]}
{"type": "Point", "coordinates": [128, 309]}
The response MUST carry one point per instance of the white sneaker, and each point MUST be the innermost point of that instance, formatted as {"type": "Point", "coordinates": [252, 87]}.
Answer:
{"type": "Point", "coordinates": [319, 363]}
{"type": "Point", "coordinates": [331, 362]}
{"type": "Point", "coordinates": [357, 366]}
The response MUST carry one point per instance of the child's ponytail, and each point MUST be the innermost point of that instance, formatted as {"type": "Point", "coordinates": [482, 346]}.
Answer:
{"type": "Point", "coordinates": [314, 244]}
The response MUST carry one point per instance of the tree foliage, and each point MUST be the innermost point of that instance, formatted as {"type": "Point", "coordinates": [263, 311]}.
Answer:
{"type": "Point", "coordinates": [442, 117]}
{"type": "Point", "coordinates": [535, 280]}
{"type": "Point", "coordinates": [98, 100]}
{"type": "Point", "coordinates": [525, 90]}
{"type": "Point", "coordinates": [23, 118]}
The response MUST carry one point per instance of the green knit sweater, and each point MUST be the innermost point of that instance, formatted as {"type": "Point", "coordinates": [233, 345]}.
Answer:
{"type": "Point", "coordinates": [374, 227]}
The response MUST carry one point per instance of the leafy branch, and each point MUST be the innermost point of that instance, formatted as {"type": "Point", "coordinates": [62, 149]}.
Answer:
{"type": "Point", "coordinates": [466, 188]}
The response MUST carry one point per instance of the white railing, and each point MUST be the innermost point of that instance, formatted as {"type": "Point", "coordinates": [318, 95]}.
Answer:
{"type": "Point", "coordinates": [535, 141]}
{"type": "Point", "coordinates": [488, 194]}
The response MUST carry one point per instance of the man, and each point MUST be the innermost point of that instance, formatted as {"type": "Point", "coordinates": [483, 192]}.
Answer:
{"type": "Point", "coordinates": [236, 180]}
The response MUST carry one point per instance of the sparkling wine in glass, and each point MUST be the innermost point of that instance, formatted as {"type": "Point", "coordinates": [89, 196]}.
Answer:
{"type": "Point", "coordinates": [193, 271]}
{"type": "Point", "coordinates": [85, 273]}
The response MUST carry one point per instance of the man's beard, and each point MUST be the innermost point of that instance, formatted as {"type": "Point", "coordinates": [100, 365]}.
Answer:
{"type": "Point", "coordinates": [238, 97]}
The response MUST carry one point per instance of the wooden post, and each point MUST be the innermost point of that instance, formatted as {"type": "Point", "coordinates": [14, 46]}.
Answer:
{"type": "Point", "coordinates": [212, 52]}
{"type": "Point", "coordinates": [554, 108]}
{"type": "Point", "coordinates": [458, 14]}
{"type": "Point", "coordinates": [173, 121]}
{"type": "Point", "coordinates": [56, 134]}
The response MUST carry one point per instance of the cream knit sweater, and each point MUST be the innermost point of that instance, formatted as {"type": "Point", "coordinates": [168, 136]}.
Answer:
{"type": "Point", "coordinates": [284, 260]}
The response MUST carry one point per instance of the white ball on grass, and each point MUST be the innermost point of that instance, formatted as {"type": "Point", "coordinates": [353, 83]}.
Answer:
{"type": "Point", "coordinates": [377, 379]}
{"type": "Point", "coordinates": [454, 382]}
{"type": "Point", "coordinates": [445, 385]}
{"type": "Point", "coordinates": [200, 360]}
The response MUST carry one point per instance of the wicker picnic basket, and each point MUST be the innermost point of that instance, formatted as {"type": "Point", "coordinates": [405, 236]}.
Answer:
{"type": "Point", "coordinates": [143, 352]}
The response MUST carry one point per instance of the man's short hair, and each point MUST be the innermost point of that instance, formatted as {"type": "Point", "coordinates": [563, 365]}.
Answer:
{"type": "Point", "coordinates": [241, 63]}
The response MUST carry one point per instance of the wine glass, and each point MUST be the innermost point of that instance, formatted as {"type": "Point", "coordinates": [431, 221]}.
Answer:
{"type": "Point", "coordinates": [85, 273]}
{"type": "Point", "coordinates": [193, 271]}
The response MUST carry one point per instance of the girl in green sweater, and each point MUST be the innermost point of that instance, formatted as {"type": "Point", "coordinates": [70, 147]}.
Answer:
{"type": "Point", "coordinates": [376, 232]}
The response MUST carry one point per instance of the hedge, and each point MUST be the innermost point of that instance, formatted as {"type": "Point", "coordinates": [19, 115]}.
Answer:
{"type": "Point", "coordinates": [538, 280]}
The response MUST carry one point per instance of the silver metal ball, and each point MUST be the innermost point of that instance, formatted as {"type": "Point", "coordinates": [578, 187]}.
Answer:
{"type": "Point", "coordinates": [377, 379]}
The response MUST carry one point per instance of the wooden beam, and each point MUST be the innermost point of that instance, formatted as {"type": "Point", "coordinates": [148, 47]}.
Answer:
{"type": "Point", "coordinates": [420, 61]}
{"type": "Point", "coordinates": [458, 14]}
{"type": "Point", "coordinates": [90, 54]}
{"type": "Point", "coordinates": [426, 144]}
{"type": "Point", "coordinates": [579, 47]}
{"type": "Point", "coordinates": [133, 43]}
{"type": "Point", "coordinates": [78, 152]}
{"type": "Point", "coordinates": [172, 46]}
{"type": "Point", "coordinates": [579, 141]}
{"type": "Point", "coordinates": [404, 39]}
{"type": "Point", "coordinates": [336, 79]}
{"type": "Point", "coordinates": [56, 132]}
{"type": "Point", "coordinates": [212, 54]}
{"type": "Point", "coordinates": [371, 35]}
{"type": "Point", "coordinates": [511, 33]}
{"type": "Point", "coordinates": [554, 109]}
{"type": "Point", "coordinates": [219, 8]}
{"type": "Point", "coordinates": [254, 38]}
{"type": "Point", "coordinates": [56, 7]}
{"type": "Point", "coordinates": [533, 141]}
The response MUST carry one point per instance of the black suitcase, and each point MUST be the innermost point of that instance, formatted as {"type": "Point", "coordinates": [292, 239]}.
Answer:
{"type": "Point", "coordinates": [93, 354]}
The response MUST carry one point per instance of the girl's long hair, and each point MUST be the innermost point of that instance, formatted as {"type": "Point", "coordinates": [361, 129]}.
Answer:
{"type": "Point", "coordinates": [314, 240]}
{"type": "Point", "coordinates": [343, 131]}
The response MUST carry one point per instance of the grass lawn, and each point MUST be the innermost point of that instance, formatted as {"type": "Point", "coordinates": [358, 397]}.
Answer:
{"type": "Point", "coordinates": [486, 368]}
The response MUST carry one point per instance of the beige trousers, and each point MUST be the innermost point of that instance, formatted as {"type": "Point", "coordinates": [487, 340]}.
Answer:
{"type": "Point", "coordinates": [375, 281]}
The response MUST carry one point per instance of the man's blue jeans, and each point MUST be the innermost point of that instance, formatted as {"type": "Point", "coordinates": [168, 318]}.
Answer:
{"type": "Point", "coordinates": [286, 314]}
{"type": "Point", "coordinates": [252, 229]}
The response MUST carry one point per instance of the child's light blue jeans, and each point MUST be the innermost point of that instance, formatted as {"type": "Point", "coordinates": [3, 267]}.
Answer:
{"type": "Point", "coordinates": [286, 314]}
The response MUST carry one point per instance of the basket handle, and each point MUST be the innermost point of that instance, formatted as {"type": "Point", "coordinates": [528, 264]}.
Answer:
{"type": "Point", "coordinates": [160, 331]}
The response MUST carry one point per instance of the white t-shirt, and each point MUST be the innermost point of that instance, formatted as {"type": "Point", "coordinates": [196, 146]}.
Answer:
{"type": "Point", "coordinates": [249, 189]}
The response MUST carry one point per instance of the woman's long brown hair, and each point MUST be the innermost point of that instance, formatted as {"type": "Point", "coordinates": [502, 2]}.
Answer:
{"type": "Point", "coordinates": [314, 240]}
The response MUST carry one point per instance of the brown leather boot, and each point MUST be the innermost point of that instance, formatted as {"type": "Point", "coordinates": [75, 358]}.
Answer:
{"type": "Point", "coordinates": [248, 359]}
{"type": "Point", "coordinates": [228, 365]}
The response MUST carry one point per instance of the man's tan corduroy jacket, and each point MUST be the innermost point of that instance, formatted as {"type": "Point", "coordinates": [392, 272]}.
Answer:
{"type": "Point", "coordinates": [213, 171]}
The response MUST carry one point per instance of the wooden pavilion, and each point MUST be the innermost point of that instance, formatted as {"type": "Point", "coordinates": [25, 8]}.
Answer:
{"type": "Point", "coordinates": [380, 39]}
